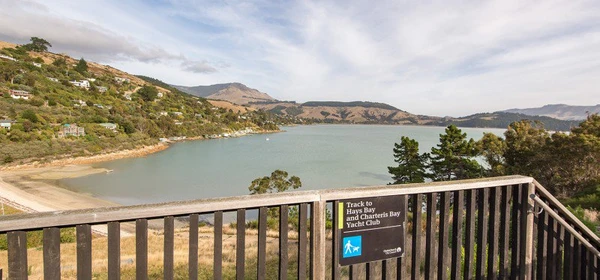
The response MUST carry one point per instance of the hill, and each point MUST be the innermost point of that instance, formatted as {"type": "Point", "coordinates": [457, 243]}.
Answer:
{"type": "Point", "coordinates": [54, 106]}
{"type": "Point", "coordinates": [233, 92]}
{"type": "Point", "coordinates": [503, 119]}
{"type": "Point", "coordinates": [559, 111]}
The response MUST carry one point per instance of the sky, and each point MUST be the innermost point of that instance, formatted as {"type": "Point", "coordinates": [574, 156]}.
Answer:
{"type": "Point", "coordinates": [442, 58]}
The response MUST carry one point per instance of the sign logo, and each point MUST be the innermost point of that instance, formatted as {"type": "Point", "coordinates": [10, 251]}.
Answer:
{"type": "Point", "coordinates": [352, 246]}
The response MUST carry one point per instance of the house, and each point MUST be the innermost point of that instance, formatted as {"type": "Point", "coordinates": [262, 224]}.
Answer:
{"type": "Point", "coordinates": [99, 106]}
{"type": "Point", "coordinates": [102, 89]}
{"type": "Point", "coordinates": [82, 84]}
{"type": "Point", "coordinates": [111, 126]}
{"type": "Point", "coordinates": [38, 65]}
{"type": "Point", "coordinates": [127, 96]}
{"type": "Point", "coordinates": [7, 57]}
{"type": "Point", "coordinates": [91, 80]}
{"type": "Point", "coordinates": [163, 113]}
{"type": "Point", "coordinates": [178, 123]}
{"type": "Point", "coordinates": [6, 124]}
{"type": "Point", "coordinates": [160, 94]}
{"type": "Point", "coordinates": [79, 103]}
{"type": "Point", "coordinates": [178, 113]}
{"type": "Point", "coordinates": [52, 79]}
{"type": "Point", "coordinates": [122, 80]}
{"type": "Point", "coordinates": [20, 94]}
{"type": "Point", "coordinates": [71, 130]}
{"type": "Point", "coordinates": [198, 115]}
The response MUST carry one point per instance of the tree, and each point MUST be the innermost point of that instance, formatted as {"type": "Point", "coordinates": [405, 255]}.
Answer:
{"type": "Point", "coordinates": [81, 66]}
{"type": "Point", "coordinates": [492, 148]}
{"type": "Point", "coordinates": [37, 45]}
{"type": "Point", "coordinates": [148, 93]}
{"type": "Point", "coordinates": [60, 62]}
{"type": "Point", "coordinates": [277, 182]}
{"type": "Point", "coordinates": [411, 165]}
{"type": "Point", "coordinates": [30, 115]}
{"type": "Point", "coordinates": [454, 157]}
{"type": "Point", "coordinates": [525, 141]}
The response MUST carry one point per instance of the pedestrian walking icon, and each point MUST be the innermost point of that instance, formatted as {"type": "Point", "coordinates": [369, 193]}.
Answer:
{"type": "Point", "coordinates": [352, 246]}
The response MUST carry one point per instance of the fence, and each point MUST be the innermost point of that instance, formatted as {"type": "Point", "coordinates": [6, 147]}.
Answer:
{"type": "Point", "coordinates": [506, 227]}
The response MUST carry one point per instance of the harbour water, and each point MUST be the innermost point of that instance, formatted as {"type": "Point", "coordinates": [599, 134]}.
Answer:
{"type": "Point", "coordinates": [323, 156]}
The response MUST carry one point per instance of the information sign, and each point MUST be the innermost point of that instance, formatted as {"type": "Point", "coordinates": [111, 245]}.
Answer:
{"type": "Point", "coordinates": [371, 229]}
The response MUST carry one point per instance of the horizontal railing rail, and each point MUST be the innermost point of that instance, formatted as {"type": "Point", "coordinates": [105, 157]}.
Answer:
{"type": "Point", "coordinates": [148, 211]}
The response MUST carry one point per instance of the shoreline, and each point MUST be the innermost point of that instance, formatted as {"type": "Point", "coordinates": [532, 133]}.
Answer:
{"type": "Point", "coordinates": [32, 187]}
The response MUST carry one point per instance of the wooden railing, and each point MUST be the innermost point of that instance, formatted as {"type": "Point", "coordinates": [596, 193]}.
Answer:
{"type": "Point", "coordinates": [473, 229]}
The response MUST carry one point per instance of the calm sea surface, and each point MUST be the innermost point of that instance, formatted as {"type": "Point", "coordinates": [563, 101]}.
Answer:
{"type": "Point", "coordinates": [323, 156]}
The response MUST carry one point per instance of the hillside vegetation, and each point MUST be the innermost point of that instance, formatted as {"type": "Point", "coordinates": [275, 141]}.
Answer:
{"type": "Point", "coordinates": [143, 109]}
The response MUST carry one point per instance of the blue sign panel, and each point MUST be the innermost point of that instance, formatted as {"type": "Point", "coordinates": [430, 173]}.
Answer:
{"type": "Point", "coordinates": [352, 246]}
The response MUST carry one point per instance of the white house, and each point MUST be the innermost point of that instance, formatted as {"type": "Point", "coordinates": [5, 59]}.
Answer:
{"type": "Point", "coordinates": [111, 126]}
{"type": "Point", "coordinates": [127, 96]}
{"type": "Point", "coordinates": [82, 84]}
{"type": "Point", "coordinates": [6, 124]}
{"type": "Point", "coordinates": [20, 94]}
{"type": "Point", "coordinates": [38, 65]}
{"type": "Point", "coordinates": [160, 94]}
{"type": "Point", "coordinates": [102, 89]}
{"type": "Point", "coordinates": [178, 113]}
{"type": "Point", "coordinates": [163, 113]}
{"type": "Point", "coordinates": [52, 79]}
{"type": "Point", "coordinates": [7, 57]}
{"type": "Point", "coordinates": [122, 80]}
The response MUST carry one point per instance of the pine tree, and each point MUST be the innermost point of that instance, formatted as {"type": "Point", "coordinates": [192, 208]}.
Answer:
{"type": "Point", "coordinates": [454, 157]}
{"type": "Point", "coordinates": [411, 164]}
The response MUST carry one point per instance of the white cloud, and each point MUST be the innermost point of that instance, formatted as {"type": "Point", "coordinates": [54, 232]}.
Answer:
{"type": "Point", "coordinates": [438, 58]}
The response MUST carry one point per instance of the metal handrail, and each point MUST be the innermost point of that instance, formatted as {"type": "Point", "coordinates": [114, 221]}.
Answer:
{"type": "Point", "coordinates": [568, 215]}
{"type": "Point", "coordinates": [567, 226]}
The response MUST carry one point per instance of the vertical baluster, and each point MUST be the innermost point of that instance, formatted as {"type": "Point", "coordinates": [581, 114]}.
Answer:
{"type": "Point", "coordinates": [550, 271]}
{"type": "Point", "coordinates": [590, 265]}
{"type": "Point", "coordinates": [568, 267]}
{"type": "Point", "coordinates": [542, 249]}
{"type": "Point", "coordinates": [482, 232]}
{"type": "Point", "coordinates": [217, 246]}
{"type": "Point", "coordinates": [283, 242]}
{"type": "Point", "coordinates": [470, 234]}
{"type": "Point", "coordinates": [114, 250]}
{"type": "Point", "coordinates": [169, 236]}
{"type": "Point", "coordinates": [51, 253]}
{"type": "Point", "coordinates": [416, 237]}
{"type": "Point", "coordinates": [17, 254]}
{"type": "Point", "coordinates": [384, 269]}
{"type": "Point", "coordinates": [457, 234]}
{"type": "Point", "coordinates": [193, 247]}
{"type": "Point", "coordinates": [577, 259]}
{"type": "Point", "coordinates": [560, 250]}
{"type": "Point", "coordinates": [442, 262]}
{"type": "Point", "coordinates": [401, 263]}
{"type": "Point", "coordinates": [493, 233]}
{"type": "Point", "coordinates": [504, 229]}
{"type": "Point", "coordinates": [430, 253]}
{"type": "Point", "coordinates": [240, 255]}
{"type": "Point", "coordinates": [335, 241]}
{"type": "Point", "coordinates": [141, 249]}
{"type": "Point", "coordinates": [262, 244]}
{"type": "Point", "coordinates": [84, 251]}
{"type": "Point", "coordinates": [515, 232]}
{"type": "Point", "coordinates": [302, 241]}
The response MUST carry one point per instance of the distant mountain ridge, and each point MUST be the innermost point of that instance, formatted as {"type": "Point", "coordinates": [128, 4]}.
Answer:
{"type": "Point", "coordinates": [559, 111]}
{"type": "Point", "coordinates": [237, 93]}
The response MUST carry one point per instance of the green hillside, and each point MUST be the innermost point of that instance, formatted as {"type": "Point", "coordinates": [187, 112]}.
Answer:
{"type": "Point", "coordinates": [143, 110]}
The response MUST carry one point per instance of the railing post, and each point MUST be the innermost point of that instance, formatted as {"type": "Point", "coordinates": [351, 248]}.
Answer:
{"type": "Point", "coordinates": [318, 237]}
{"type": "Point", "coordinates": [527, 228]}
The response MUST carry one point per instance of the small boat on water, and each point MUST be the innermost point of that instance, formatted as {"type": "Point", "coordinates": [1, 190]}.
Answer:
{"type": "Point", "coordinates": [267, 138]}
{"type": "Point", "coordinates": [109, 171]}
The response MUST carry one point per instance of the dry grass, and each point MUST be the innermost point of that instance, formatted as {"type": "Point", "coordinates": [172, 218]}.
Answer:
{"type": "Point", "coordinates": [68, 253]}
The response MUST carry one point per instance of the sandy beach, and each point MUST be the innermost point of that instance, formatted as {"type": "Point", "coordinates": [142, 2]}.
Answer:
{"type": "Point", "coordinates": [31, 187]}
